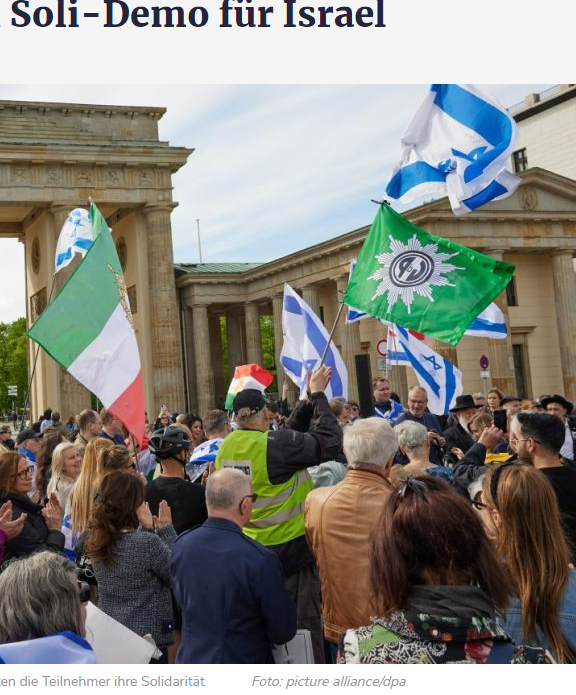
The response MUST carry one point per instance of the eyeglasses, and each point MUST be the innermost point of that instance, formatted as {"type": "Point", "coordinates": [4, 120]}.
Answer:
{"type": "Point", "coordinates": [83, 591]}
{"type": "Point", "coordinates": [411, 402]}
{"type": "Point", "coordinates": [252, 497]}
{"type": "Point", "coordinates": [25, 473]}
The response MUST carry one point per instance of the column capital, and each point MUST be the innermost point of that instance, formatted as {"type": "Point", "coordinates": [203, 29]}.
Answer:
{"type": "Point", "coordinates": [159, 207]}
{"type": "Point", "coordinates": [563, 252]}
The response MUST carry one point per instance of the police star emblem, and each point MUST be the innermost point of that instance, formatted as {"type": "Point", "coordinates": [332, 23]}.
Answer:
{"type": "Point", "coordinates": [412, 269]}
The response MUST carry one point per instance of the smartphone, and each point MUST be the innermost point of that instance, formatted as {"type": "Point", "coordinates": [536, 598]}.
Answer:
{"type": "Point", "coordinates": [501, 419]}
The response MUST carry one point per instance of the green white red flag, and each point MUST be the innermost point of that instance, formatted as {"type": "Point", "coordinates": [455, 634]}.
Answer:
{"type": "Point", "coordinates": [248, 376]}
{"type": "Point", "coordinates": [88, 330]}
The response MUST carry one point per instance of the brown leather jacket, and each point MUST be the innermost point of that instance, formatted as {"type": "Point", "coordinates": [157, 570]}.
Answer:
{"type": "Point", "coordinates": [339, 521]}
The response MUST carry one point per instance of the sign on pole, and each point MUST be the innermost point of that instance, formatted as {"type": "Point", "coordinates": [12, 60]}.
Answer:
{"type": "Point", "coordinates": [382, 347]}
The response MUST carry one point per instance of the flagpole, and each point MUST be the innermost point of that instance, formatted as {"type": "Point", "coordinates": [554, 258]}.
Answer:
{"type": "Point", "coordinates": [33, 372]}
{"type": "Point", "coordinates": [331, 334]}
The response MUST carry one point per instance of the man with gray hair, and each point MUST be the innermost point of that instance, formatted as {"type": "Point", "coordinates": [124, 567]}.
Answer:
{"type": "Point", "coordinates": [340, 519]}
{"type": "Point", "coordinates": [229, 588]}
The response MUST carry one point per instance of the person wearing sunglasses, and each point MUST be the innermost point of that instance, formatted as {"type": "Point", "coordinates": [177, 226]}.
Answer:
{"type": "Point", "coordinates": [437, 584]}
{"type": "Point", "coordinates": [43, 612]}
{"type": "Point", "coordinates": [41, 529]}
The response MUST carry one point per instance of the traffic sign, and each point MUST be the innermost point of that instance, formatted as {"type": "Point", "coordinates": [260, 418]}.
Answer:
{"type": "Point", "coordinates": [12, 390]}
{"type": "Point", "coordinates": [381, 363]}
{"type": "Point", "coordinates": [484, 363]}
{"type": "Point", "coordinates": [382, 347]}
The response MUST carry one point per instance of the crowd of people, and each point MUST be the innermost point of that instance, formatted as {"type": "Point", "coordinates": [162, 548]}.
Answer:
{"type": "Point", "coordinates": [398, 537]}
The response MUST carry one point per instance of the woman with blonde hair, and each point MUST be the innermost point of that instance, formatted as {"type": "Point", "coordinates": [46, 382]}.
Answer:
{"type": "Point", "coordinates": [66, 465]}
{"type": "Point", "coordinates": [531, 543]}
{"type": "Point", "coordinates": [82, 495]}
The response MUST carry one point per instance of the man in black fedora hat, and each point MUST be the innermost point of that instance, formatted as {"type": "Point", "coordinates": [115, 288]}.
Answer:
{"type": "Point", "coordinates": [458, 436]}
{"type": "Point", "coordinates": [561, 408]}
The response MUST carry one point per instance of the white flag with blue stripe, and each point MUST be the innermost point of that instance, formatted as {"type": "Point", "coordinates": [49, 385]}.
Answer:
{"type": "Point", "coordinates": [441, 379]}
{"type": "Point", "coordinates": [305, 339]}
{"type": "Point", "coordinates": [459, 143]}
{"type": "Point", "coordinates": [75, 237]}
{"type": "Point", "coordinates": [70, 538]}
{"type": "Point", "coordinates": [489, 324]}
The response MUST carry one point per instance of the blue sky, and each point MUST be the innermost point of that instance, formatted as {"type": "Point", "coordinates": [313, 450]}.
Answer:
{"type": "Point", "coordinates": [275, 169]}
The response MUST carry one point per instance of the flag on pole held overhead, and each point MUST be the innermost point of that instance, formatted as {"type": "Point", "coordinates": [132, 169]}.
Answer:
{"type": "Point", "coordinates": [247, 376]}
{"type": "Point", "coordinates": [88, 330]}
{"type": "Point", "coordinates": [75, 237]}
{"type": "Point", "coordinates": [305, 339]}
{"type": "Point", "coordinates": [489, 324]}
{"type": "Point", "coordinates": [441, 379]}
{"type": "Point", "coordinates": [423, 282]}
{"type": "Point", "coordinates": [459, 143]}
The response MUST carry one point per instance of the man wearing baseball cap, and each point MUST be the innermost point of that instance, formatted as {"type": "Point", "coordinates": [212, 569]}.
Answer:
{"type": "Point", "coordinates": [6, 440]}
{"type": "Point", "coordinates": [277, 461]}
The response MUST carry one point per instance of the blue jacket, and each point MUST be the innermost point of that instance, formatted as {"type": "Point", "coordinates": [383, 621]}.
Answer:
{"type": "Point", "coordinates": [231, 592]}
{"type": "Point", "coordinates": [512, 621]}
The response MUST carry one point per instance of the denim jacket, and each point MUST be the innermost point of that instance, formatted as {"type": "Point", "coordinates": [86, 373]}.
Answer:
{"type": "Point", "coordinates": [512, 621]}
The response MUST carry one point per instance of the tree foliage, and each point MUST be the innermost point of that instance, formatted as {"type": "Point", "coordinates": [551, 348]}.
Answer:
{"type": "Point", "coordinates": [13, 363]}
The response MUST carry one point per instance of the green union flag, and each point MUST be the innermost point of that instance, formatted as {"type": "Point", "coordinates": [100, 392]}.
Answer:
{"type": "Point", "coordinates": [423, 282]}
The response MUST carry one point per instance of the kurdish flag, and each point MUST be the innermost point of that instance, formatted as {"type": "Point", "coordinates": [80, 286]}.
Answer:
{"type": "Point", "coordinates": [88, 330]}
{"type": "Point", "coordinates": [423, 282]}
{"type": "Point", "coordinates": [248, 376]}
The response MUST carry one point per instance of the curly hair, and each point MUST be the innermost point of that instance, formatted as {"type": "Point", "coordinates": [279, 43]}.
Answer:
{"type": "Point", "coordinates": [114, 511]}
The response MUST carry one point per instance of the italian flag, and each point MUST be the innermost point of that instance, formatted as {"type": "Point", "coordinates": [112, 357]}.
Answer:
{"type": "Point", "coordinates": [248, 376]}
{"type": "Point", "coordinates": [88, 330]}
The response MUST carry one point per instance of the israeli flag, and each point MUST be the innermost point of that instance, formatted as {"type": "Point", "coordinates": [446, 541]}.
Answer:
{"type": "Point", "coordinates": [70, 538]}
{"type": "Point", "coordinates": [63, 648]}
{"type": "Point", "coordinates": [305, 339]}
{"type": "Point", "coordinates": [441, 379]}
{"type": "Point", "coordinates": [459, 143]}
{"type": "Point", "coordinates": [489, 324]}
{"type": "Point", "coordinates": [75, 237]}
{"type": "Point", "coordinates": [391, 415]}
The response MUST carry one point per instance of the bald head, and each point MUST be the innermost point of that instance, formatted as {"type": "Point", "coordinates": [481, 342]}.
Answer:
{"type": "Point", "coordinates": [225, 489]}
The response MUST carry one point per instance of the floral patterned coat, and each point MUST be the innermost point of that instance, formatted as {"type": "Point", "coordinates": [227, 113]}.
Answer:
{"type": "Point", "coordinates": [408, 638]}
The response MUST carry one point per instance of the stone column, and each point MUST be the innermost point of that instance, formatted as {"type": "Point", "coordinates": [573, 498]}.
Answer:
{"type": "Point", "coordinates": [277, 304]}
{"type": "Point", "coordinates": [163, 322]}
{"type": "Point", "coordinates": [253, 338]}
{"type": "Point", "coordinates": [73, 396]}
{"type": "Point", "coordinates": [565, 295]}
{"type": "Point", "coordinates": [349, 339]}
{"type": "Point", "coordinates": [500, 354]}
{"type": "Point", "coordinates": [188, 356]}
{"type": "Point", "coordinates": [234, 337]}
{"type": "Point", "coordinates": [203, 359]}
{"type": "Point", "coordinates": [311, 297]}
{"type": "Point", "coordinates": [220, 388]}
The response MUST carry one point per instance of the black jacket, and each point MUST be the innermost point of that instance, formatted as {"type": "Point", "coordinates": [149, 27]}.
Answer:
{"type": "Point", "coordinates": [35, 535]}
{"type": "Point", "coordinates": [458, 437]}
